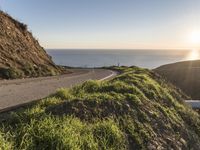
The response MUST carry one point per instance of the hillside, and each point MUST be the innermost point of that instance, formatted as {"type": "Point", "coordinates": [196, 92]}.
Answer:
{"type": "Point", "coordinates": [185, 75]}
{"type": "Point", "coordinates": [135, 110]}
{"type": "Point", "coordinates": [20, 54]}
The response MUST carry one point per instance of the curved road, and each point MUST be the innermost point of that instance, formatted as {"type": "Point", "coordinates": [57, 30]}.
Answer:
{"type": "Point", "coordinates": [14, 93]}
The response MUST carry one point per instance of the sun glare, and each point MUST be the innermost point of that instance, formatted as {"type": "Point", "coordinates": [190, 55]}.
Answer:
{"type": "Point", "coordinates": [195, 37]}
{"type": "Point", "coordinates": [193, 55]}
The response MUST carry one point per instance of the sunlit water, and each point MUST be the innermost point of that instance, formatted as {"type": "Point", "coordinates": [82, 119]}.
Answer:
{"type": "Point", "coordinates": [98, 58]}
{"type": "Point", "coordinates": [193, 55]}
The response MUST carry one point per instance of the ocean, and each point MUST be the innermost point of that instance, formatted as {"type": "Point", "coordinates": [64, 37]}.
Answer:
{"type": "Point", "coordinates": [99, 58]}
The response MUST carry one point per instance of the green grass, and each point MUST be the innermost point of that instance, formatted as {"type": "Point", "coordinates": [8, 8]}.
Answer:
{"type": "Point", "coordinates": [135, 110]}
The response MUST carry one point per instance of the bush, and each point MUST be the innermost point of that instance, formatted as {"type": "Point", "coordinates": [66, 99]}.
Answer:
{"type": "Point", "coordinates": [11, 73]}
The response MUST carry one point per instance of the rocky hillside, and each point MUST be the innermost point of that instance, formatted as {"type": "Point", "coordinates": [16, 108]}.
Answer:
{"type": "Point", "coordinates": [135, 110]}
{"type": "Point", "coordinates": [185, 75]}
{"type": "Point", "coordinates": [20, 53]}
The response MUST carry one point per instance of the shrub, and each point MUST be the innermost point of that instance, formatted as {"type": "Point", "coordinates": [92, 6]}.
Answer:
{"type": "Point", "coordinates": [10, 73]}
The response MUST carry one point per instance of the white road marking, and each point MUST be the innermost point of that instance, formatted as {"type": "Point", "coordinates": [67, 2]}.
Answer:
{"type": "Point", "coordinates": [113, 74]}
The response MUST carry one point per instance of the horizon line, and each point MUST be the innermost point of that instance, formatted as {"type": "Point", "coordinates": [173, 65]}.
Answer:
{"type": "Point", "coordinates": [119, 48]}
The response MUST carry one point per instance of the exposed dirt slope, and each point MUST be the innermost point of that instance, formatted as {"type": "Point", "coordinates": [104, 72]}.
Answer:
{"type": "Point", "coordinates": [20, 53]}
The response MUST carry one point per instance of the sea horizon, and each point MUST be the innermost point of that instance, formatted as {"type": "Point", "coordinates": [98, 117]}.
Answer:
{"type": "Point", "coordinates": [146, 58]}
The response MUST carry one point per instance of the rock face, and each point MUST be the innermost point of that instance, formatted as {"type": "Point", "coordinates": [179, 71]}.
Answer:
{"type": "Point", "coordinates": [20, 53]}
{"type": "Point", "coordinates": [185, 75]}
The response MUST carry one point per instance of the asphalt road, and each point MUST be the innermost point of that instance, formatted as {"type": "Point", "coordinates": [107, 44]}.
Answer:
{"type": "Point", "coordinates": [14, 93]}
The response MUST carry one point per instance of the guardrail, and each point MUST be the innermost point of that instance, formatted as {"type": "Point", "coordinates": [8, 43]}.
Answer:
{"type": "Point", "coordinates": [193, 103]}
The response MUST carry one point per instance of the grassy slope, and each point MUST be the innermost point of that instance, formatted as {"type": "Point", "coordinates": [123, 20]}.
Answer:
{"type": "Point", "coordinates": [135, 110]}
{"type": "Point", "coordinates": [184, 75]}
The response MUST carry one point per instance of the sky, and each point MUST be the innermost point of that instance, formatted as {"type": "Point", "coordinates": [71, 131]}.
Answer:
{"type": "Point", "coordinates": [110, 24]}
